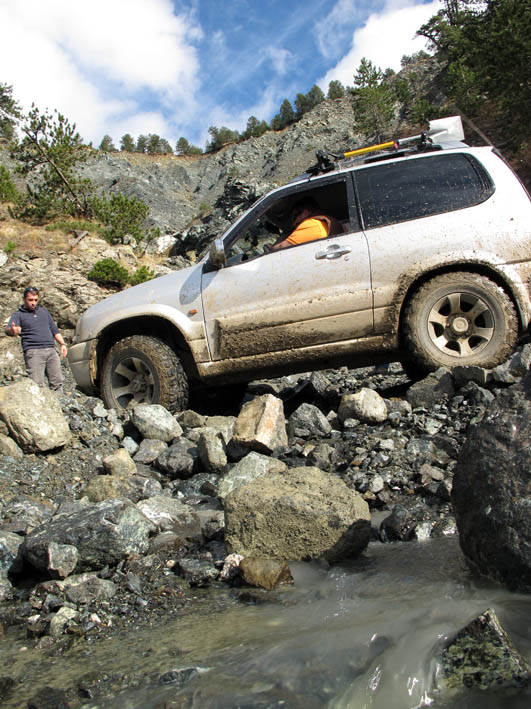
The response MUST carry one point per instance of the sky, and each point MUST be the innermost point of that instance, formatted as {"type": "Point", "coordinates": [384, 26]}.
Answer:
{"type": "Point", "coordinates": [176, 67]}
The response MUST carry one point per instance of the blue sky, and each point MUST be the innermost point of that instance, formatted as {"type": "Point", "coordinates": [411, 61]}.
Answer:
{"type": "Point", "coordinates": [176, 67]}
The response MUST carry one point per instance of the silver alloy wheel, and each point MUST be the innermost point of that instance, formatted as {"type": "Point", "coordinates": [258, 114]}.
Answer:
{"type": "Point", "coordinates": [143, 369]}
{"type": "Point", "coordinates": [133, 379]}
{"type": "Point", "coordinates": [460, 324]}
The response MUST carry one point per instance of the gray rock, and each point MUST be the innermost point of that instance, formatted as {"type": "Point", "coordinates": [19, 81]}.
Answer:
{"type": "Point", "coordinates": [211, 447]}
{"type": "Point", "coordinates": [130, 445]}
{"type": "Point", "coordinates": [477, 395]}
{"type": "Point", "coordinates": [24, 513]}
{"type": "Point", "coordinates": [261, 425]}
{"type": "Point", "coordinates": [198, 572]}
{"type": "Point", "coordinates": [10, 448]}
{"type": "Point", "coordinates": [253, 466]}
{"type": "Point", "coordinates": [33, 416]}
{"type": "Point", "coordinates": [180, 460]}
{"type": "Point", "coordinates": [149, 450]}
{"type": "Point", "coordinates": [63, 619]}
{"type": "Point", "coordinates": [436, 387]}
{"type": "Point", "coordinates": [119, 464]}
{"type": "Point", "coordinates": [6, 589]}
{"type": "Point", "coordinates": [110, 487]}
{"type": "Point", "coordinates": [481, 656]}
{"type": "Point", "coordinates": [88, 588]}
{"type": "Point", "coordinates": [464, 374]}
{"type": "Point", "coordinates": [154, 421]}
{"type": "Point", "coordinates": [9, 544]}
{"type": "Point", "coordinates": [170, 515]}
{"type": "Point", "coordinates": [303, 513]}
{"type": "Point", "coordinates": [308, 422]}
{"type": "Point", "coordinates": [62, 560]}
{"type": "Point", "coordinates": [365, 405]}
{"type": "Point", "coordinates": [491, 492]}
{"type": "Point", "coordinates": [103, 533]}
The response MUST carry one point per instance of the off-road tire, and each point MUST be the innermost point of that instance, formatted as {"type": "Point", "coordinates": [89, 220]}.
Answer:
{"type": "Point", "coordinates": [146, 370]}
{"type": "Point", "coordinates": [459, 319]}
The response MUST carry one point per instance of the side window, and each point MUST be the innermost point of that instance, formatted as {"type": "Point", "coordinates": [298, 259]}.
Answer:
{"type": "Point", "coordinates": [421, 187]}
{"type": "Point", "coordinates": [273, 222]}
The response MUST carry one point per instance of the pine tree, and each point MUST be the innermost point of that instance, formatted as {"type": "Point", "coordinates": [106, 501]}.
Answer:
{"type": "Point", "coordinates": [10, 112]}
{"type": "Point", "coordinates": [127, 143]}
{"type": "Point", "coordinates": [107, 145]}
{"type": "Point", "coordinates": [374, 101]}
{"type": "Point", "coordinates": [141, 144]}
{"type": "Point", "coordinates": [50, 152]}
{"type": "Point", "coordinates": [314, 96]}
{"type": "Point", "coordinates": [335, 89]}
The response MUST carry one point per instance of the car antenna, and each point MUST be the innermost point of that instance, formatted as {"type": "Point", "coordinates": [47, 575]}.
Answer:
{"type": "Point", "coordinates": [444, 129]}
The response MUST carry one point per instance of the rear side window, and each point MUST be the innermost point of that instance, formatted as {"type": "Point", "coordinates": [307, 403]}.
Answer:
{"type": "Point", "coordinates": [412, 189]}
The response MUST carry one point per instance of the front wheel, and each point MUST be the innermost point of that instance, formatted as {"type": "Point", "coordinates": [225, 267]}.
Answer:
{"type": "Point", "coordinates": [460, 319]}
{"type": "Point", "coordinates": [143, 369]}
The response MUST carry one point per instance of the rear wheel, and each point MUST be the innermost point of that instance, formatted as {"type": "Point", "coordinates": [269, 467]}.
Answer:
{"type": "Point", "coordinates": [460, 319]}
{"type": "Point", "coordinates": [143, 369]}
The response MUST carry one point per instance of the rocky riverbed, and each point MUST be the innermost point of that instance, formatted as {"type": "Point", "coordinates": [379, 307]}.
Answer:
{"type": "Point", "coordinates": [111, 523]}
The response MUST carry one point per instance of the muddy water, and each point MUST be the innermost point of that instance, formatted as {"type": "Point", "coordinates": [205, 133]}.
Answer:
{"type": "Point", "coordinates": [358, 636]}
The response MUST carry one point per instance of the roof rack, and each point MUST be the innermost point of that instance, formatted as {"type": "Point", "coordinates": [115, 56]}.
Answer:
{"type": "Point", "coordinates": [444, 129]}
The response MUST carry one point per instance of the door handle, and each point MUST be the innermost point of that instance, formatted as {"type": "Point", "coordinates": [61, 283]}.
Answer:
{"type": "Point", "coordinates": [333, 251]}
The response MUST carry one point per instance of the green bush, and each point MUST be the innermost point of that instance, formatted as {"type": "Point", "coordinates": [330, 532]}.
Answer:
{"type": "Point", "coordinates": [10, 247]}
{"type": "Point", "coordinates": [108, 272]}
{"type": "Point", "coordinates": [69, 225]}
{"type": "Point", "coordinates": [141, 275]}
{"type": "Point", "coordinates": [8, 191]}
{"type": "Point", "coordinates": [121, 215]}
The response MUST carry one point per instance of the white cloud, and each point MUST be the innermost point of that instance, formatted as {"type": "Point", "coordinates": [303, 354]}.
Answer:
{"type": "Point", "coordinates": [384, 39]}
{"type": "Point", "coordinates": [88, 58]}
{"type": "Point", "coordinates": [280, 58]}
{"type": "Point", "coordinates": [330, 30]}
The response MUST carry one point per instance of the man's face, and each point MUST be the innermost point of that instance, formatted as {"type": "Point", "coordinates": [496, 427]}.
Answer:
{"type": "Point", "coordinates": [31, 301]}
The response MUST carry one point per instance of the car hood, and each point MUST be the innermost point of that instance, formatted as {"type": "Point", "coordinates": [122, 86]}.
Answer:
{"type": "Point", "coordinates": [171, 296]}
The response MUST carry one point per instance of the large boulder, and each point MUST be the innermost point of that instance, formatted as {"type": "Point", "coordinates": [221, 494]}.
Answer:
{"type": "Point", "coordinates": [33, 416]}
{"type": "Point", "coordinates": [103, 534]}
{"type": "Point", "coordinates": [492, 490]}
{"type": "Point", "coordinates": [303, 513]}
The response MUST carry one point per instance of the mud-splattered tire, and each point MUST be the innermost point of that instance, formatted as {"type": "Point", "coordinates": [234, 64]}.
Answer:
{"type": "Point", "coordinates": [459, 319]}
{"type": "Point", "coordinates": [143, 369]}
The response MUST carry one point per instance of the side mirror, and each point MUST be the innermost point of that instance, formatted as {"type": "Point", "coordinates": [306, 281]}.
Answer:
{"type": "Point", "coordinates": [216, 254]}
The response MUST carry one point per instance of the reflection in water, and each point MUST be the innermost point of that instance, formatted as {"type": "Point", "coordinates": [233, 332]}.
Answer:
{"type": "Point", "coordinates": [355, 636]}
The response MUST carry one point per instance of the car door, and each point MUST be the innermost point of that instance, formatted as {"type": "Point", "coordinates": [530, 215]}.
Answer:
{"type": "Point", "coordinates": [314, 294]}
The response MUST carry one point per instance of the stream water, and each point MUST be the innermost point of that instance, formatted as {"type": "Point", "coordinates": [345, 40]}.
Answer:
{"type": "Point", "coordinates": [362, 635]}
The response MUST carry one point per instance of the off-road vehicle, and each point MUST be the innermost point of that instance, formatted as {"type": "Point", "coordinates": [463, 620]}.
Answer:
{"type": "Point", "coordinates": [432, 268]}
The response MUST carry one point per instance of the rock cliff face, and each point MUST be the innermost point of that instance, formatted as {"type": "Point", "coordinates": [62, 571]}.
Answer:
{"type": "Point", "coordinates": [177, 188]}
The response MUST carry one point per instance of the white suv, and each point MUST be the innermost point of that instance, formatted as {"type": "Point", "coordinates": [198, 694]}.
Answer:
{"type": "Point", "coordinates": [432, 268]}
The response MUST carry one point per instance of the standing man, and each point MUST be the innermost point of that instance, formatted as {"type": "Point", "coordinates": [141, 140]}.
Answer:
{"type": "Point", "coordinates": [39, 333]}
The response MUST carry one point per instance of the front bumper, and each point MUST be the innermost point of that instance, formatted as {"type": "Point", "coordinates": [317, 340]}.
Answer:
{"type": "Point", "coordinates": [80, 358]}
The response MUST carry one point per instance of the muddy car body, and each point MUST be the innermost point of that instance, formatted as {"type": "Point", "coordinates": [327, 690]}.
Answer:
{"type": "Point", "coordinates": [433, 268]}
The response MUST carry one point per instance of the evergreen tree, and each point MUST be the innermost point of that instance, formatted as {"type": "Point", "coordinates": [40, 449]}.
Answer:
{"type": "Point", "coordinates": [302, 105]}
{"type": "Point", "coordinates": [127, 144]}
{"type": "Point", "coordinates": [10, 112]}
{"type": "Point", "coordinates": [50, 153]}
{"type": "Point", "coordinates": [335, 89]}
{"type": "Point", "coordinates": [142, 143]}
{"type": "Point", "coordinates": [183, 147]}
{"type": "Point", "coordinates": [315, 96]}
{"type": "Point", "coordinates": [107, 145]}
{"type": "Point", "coordinates": [487, 46]}
{"type": "Point", "coordinates": [374, 101]}
{"type": "Point", "coordinates": [221, 136]}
